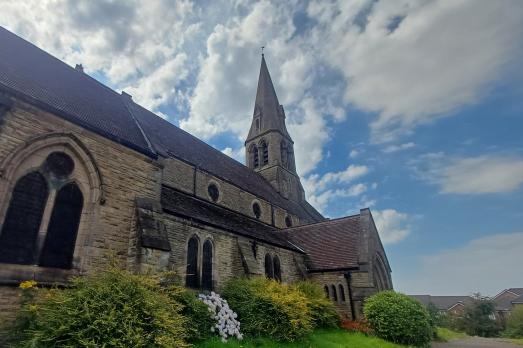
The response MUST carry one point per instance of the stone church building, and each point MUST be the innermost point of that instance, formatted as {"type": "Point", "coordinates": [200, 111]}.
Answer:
{"type": "Point", "coordinates": [86, 172]}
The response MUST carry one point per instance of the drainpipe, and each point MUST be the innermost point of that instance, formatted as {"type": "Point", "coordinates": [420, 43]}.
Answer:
{"type": "Point", "coordinates": [347, 278]}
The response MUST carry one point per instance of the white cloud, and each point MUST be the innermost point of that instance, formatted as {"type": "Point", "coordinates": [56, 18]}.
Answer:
{"type": "Point", "coordinates": [122, 40]}
{"type": "Point", "coordinates": [442, 55]}
{"type": "Point", "coordinates": [393, 226]}
{"type": "Point", "coordinates": [473, 175]}
{"type": "Point", "coordinates": [487, 264]}
{"type": "Point", "coordinates": [238, 154]}
{"type": "Point", "coordinates": [354, 154]}
{"type": "Point", "coordinates": [400, 147]}
{"type": "Point", "coordinates": [315, 182]}
{"type": "Point", "coordinates": [321, 190]}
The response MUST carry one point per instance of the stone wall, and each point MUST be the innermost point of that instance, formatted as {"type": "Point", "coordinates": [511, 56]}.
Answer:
{"type": "Point", "coordinates": [106, 224]}
{"type": "Point", "coordinates": [227, 260]}
{"type": "Point", "coordinates": [187, 178]}
{"type": "Point", "coordinates": [335, 278]}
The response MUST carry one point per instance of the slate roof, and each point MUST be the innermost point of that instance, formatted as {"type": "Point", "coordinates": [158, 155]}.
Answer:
{"type": "Point", "coordinates": [329, 245]}
{"type": "Point", "coordinates": [505, 303]}
{"type": "Point", "coordinates": [442, 302]}
{"type": "Point", "coordinates": [518, 300]}
{"type": "Point", "coordinates": [46, 82]}
{"type": "Point", "coordinates": [187, 206]}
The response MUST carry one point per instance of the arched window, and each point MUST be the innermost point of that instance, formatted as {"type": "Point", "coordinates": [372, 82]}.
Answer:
{"type": "Point", "coordinates": [213, 192]}
{"type": "Point", "coordinates": [326, 289]}
{"type": "Point", "coordinates": [288, 221]}
{"type": "Point", "coordinates": [256, 210]}
{"type": "Point", "coordinates": [277, 268]}
{"type": "Point", "coordinates": [192, 279]}
{"type": "Point", "coordinates": [342, 292]}
{"type": "Point", "coordinates": [23, 218]}
{"type": "Point", "coordinates": [269, 271]}
{"type": "Point", "coordinates": [334, 295]}
{"type": "Point", "coordinates": [207, 283]}
{"type": "Point", "coordinates": [59, 243]}
{"type": "Point", "coordinates": [265, 153]}
{"type": "Point", "coordinates": [255, 157]}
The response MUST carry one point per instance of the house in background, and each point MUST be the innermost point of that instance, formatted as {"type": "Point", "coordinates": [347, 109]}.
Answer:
{"type": "Point", "coordinates": [507, 300]}
{"type": "Point", "coordinates": [445, 304]}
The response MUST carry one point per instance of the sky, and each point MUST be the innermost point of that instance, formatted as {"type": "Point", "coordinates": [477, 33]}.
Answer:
{"type": "Point", "coordinates": [413, 108]}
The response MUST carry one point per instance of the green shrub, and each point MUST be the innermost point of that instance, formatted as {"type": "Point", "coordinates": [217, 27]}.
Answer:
{"type": "Point", "coordinates": [515, 323]}
{"type": "Point", "coordinates": [111, 309]}
{"type": "Point", "coordinates": [398, 318]}
{"type": "Point", "coordinates": [199, 319]}
{"type": "Point", "coordinates": [322, 310]}
{"type": "Point", "coordinates": [268, 308]}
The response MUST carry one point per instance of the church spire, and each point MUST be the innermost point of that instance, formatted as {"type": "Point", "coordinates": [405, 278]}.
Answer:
{"type": "Point", "coordinates": [269, 149]}
{"type": "Point", "coordinates": [268, 113]}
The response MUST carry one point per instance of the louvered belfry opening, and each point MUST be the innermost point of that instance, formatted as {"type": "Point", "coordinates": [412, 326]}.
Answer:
{"type": "Point", "coordinates": [256, 157]}
{"type": "Point", "coordinates": [63, 227]}
{"type": "Point", "coordinates": [23, 219]}
{"type": "Point", "coordinates": [192, 279]}
{"type": "Point", "coordinates": [265, 153]}
{"type": "Point", "coordinates": [207, 281]}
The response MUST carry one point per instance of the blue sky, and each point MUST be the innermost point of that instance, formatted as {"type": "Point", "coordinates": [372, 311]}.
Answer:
{"type": "Point", "coordinates": [412, 108]}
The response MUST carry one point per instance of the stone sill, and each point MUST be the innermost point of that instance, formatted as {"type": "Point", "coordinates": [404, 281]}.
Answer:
{"type": "Point", "coordinates": [11, 274]}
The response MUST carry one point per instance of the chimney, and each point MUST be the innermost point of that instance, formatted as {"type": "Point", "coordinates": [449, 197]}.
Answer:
{"type": "Point", "coordinates": [79, 67]}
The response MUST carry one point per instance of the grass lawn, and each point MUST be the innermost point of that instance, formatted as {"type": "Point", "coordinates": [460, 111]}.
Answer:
{"type": "Point", "coordinates": [446, 335]}
{"type": "Point", "coordinates": [319, 339]}
{"type": "Point", "coordinates": [518, 341]}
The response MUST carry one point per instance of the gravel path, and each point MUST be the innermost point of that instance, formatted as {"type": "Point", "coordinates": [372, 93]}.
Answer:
{"type": "Point", "coordinates": [476, 342]}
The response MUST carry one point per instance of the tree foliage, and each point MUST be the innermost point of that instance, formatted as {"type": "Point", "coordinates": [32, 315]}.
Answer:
{"type": "Point", "coordinates": [515, 323]}
{"type": "Point", "coordinates": [478, 318]}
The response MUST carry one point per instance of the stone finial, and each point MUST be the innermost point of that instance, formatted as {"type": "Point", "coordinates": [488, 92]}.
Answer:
{"type": "Point", "coordinates": [79, 67]}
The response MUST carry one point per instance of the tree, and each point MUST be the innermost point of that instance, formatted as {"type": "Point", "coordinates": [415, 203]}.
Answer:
{"type": "Point", "coordinates": [478, 318]}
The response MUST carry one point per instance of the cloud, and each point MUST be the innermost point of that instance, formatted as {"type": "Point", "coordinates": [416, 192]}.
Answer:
{"type": "Point", "coordinates": [321, 190]}
{"type": "Point", "coordinates": [396, 148]}
{"type": "Point", "coordinates": [315, 182]}
{"type": "Point", "coordinates": [392, 225]}
{"type": "Point", "coordinates": [472, 175]}
{"type": "Point", "coordinates": [123, 41]}
{"type": "Point", "coordinates": [487, 264]}
{"type": "Point", "coordinates": [223, 97]}
{"type": "Point", "coordinates": [441, 56]}
{"type": "Point", "coordinates": [238, 154]}
{"type": "Point", "coordinates": [354, 154]}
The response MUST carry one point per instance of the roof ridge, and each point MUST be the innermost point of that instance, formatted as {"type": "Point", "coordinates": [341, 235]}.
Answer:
{"type": "Point", "coordinates": [320, 222]}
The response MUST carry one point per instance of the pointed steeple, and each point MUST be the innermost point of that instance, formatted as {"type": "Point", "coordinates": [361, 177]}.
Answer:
{"type": "Point", "coordinates": [268, 113]}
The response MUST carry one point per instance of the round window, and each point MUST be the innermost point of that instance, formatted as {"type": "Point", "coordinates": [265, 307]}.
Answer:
{"type": "Point", "coordinates": [288, 221]}
{"type": "Point", "coordinates": [256, 210]}
{"type": "Point", "coordinates": [213, 192]}
{"type": "Point", "coordinates": [59, 165]}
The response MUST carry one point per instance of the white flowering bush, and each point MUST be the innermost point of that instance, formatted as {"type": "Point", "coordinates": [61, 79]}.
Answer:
{"type": "Point", "coordinates": [227, 324]}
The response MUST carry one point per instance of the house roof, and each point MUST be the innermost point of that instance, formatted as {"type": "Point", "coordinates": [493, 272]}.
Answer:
{"type": "Point", "coordinates": [442, 302]}
{"type": "Point", "coordinates": [518, 299]}
{"type": "Point", "coordinates": [329, 245]}
{"type": "Point", "coordinates": [187, 206]}
{"type": "Point", "coordinates": [505, 303]}
{"type": "Point", "coordinates": [40, 79]}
